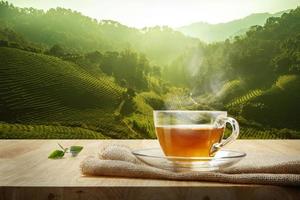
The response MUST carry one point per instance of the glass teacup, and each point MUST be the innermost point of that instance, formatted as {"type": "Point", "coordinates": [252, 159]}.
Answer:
{"type": "Point", "coordinates": [193, 133]}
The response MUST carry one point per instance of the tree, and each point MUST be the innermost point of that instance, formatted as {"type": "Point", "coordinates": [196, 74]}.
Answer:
{"type": "Point", "coordinates": [3, 43]}
{"type": "Point", "coordinates": [94, 57]}
{"type": "Point", "coordinates": [109, 62]}
{"type": "Point", "coordinates": [57, 50]}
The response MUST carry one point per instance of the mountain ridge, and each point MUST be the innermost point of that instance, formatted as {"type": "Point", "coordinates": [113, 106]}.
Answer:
{"type": "Point", "coordinates": [221, 31]}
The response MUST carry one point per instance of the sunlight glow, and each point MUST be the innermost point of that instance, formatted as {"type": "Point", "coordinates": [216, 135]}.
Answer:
{"type": "Point", "coordinates": [174, 13]}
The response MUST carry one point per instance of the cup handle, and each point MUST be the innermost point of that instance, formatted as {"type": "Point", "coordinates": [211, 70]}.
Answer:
{"type": "Point", "coordinates": [235, 133]}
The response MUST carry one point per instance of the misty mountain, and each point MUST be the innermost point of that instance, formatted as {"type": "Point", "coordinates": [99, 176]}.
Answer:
{"type": "Point", "coordinates": [219, 32]}
{"type": "Point", "coordinates": [79, 33]}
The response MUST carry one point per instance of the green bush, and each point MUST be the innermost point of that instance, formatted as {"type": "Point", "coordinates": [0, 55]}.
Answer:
{"type": "Point", "coordinates": [153, 99]}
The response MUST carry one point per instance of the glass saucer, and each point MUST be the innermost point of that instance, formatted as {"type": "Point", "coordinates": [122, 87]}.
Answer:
{"type": "Point", "coordinates": [156, 158]}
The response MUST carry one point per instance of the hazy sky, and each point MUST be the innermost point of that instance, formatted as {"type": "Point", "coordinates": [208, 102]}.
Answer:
{"type": "Point", "coordinates": [174, 13]}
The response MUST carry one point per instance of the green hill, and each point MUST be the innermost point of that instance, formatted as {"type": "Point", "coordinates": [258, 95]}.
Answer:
{"type": "Point", "coordinates": [80, 33]}
{"type": "Point", "coordinates": [279, 104]}
{"type": "Point", "coordinates": [40, 89]}
{"type": "Point", "coordinates": [219, 32]}
{"type": "Point", "coordinates": [254, 77]}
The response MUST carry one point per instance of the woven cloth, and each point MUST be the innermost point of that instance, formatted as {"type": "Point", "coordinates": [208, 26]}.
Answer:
{"type": "Point", "coordinates": [118, 161]}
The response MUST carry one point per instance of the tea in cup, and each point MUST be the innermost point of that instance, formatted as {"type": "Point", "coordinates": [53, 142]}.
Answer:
{"type": "Point", "coordinates": [193, 133]}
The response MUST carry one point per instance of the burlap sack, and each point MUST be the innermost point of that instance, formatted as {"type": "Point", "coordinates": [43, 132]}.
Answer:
{"type": "Point", "coordinates": [118, 161]}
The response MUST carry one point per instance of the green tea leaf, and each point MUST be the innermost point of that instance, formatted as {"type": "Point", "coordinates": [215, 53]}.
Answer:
{"type": "Point", "coordinates": [56, 154]}
{"type": "Point", "coordinates": [75, 150]}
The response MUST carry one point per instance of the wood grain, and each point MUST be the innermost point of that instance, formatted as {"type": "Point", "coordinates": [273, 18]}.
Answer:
{"type": "Point", "coordinates": [27, 173]}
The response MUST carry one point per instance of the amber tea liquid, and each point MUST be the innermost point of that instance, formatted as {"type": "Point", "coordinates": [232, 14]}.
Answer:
{"type": "Point", "coordinates": [188, 140]}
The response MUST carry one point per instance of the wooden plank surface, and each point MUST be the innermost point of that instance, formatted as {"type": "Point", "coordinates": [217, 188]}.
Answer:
{"type": "Point", "coordinates": [26, 170]}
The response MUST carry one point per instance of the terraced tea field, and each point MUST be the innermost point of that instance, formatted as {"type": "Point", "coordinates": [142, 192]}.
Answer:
{"type": "Point", "coordinates": [22, 131]}
{"type": "Point", "coordinates": [245, 98]}
{"type": "Point", "coordinates": [253, 133]}
{"type": "Point", "coordinates": [45, 97]}
{"type": "Point", "coordinates": [35, 86]}
{"type": "Point", "coordinates": [40, 89]}
{"type": "Point", "coordinates": [265, 133]}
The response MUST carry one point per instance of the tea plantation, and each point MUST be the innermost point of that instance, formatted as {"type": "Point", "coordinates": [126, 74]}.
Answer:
{"type": "Point", "coordinates": [39, 89]}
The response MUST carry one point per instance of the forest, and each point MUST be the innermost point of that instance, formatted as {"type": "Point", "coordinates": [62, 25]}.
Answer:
{"type": "Point", "coordinates": [66, 75]}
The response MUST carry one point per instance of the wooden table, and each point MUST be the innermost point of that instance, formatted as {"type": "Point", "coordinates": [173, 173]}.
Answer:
{"type": "Point", "coordinates": [27, 173]}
